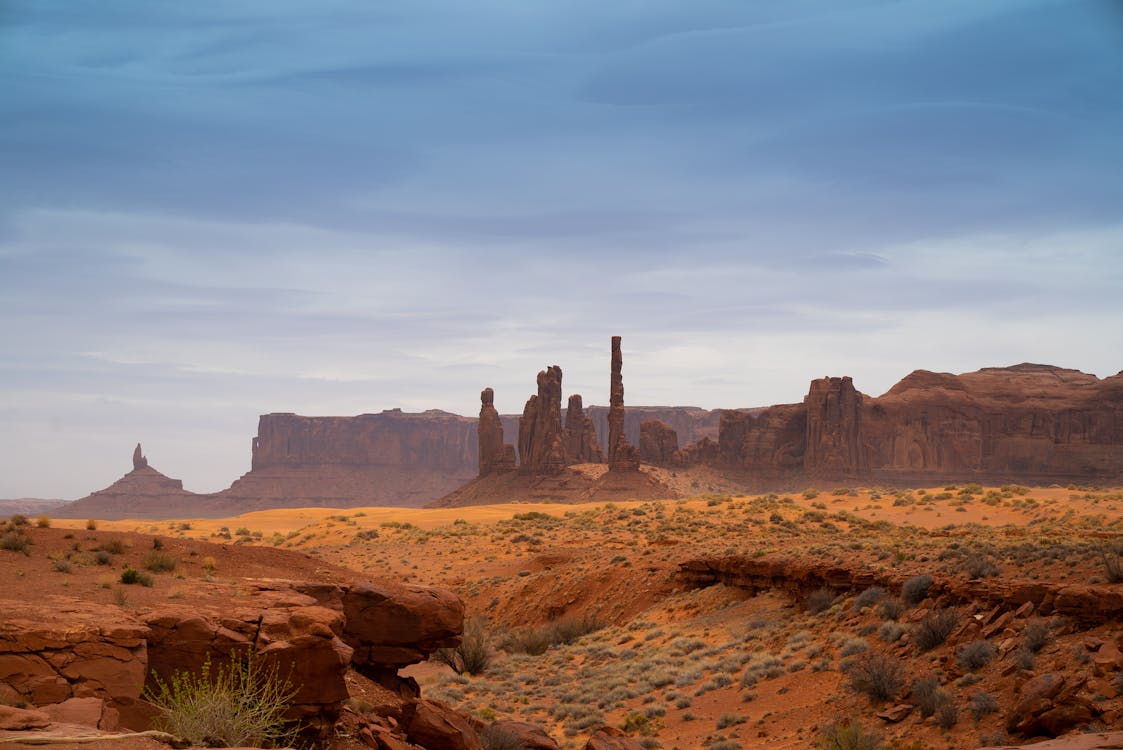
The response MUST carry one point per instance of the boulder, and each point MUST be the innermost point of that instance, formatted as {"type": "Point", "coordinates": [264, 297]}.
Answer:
{"type": "Point", "coordinates": [20, 719]}
{"type": "Point", "coordinates": [435, 726]}
{"type": "Point", "coordinates": [1049, 704]}
{"type": "Point", "coordinates": [611, 738]}
{"type": "Point", "coordinates": [521, 735]}
{"type": "Point", "coordinates": [394, 625]}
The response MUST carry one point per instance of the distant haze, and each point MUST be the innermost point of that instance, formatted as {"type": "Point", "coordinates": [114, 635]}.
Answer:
{"type": "Point", "coordinates": [213, 210]}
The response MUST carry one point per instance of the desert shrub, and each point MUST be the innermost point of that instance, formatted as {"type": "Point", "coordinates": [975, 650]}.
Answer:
{"type": "Point", "coordinates": [61, 564]}
{"type": "Point", "coordinates": [535, 641]}
{"type": "Point", "coordinates": [915, 589]}
{"type": "Point", "coordinates": [878, 675]}
{"type": "Point", "coordinates": [16, 541]}
{"type": "Point", "coordinates": [891, 632]}
{"type": "Point", "coordinates": [91, 525]}
{"type": "Point", "coordinates": [159, 562]}
{"type": "Point", "coordinates": [496, 737]}
{"type": "Point", "coordinates": [975, 655]}
{"type": "Point", "coordinates": [947, 715]}
{"type": "Point", "coordinates": [18, 519]}
{"type": "Point", "coordinates": [869, 597]}
{"type": "Point", "coordinates": [473, 655]}
{"type": "Point", "coordinates": [1112, 558]}
{"type": "Point", "coordinates": [1024, 658]}
{"type": "Point", "coordinates": [979, 565]}
{"type": "Point", "coordinates": [1037, 634]}
{"type": "Point", "coordinates": [852, 646]}
{"type": "Point", "coordinates": [981, 704]}
{"type": "Point", "coordinates": [928, 695]}
{"type": "Point", "coordinates": [130, 576]}
{"type": "Point", "coordinates": [934, 628]}
{"type": "Point", "coordinates": [848, 736]}
{"type": "Point", "coordinates": [101, 557]}
{"type": "Point", "coordinates": [238, 704]}
{"type": "Point", "coordinates": [891, 608]}
{"type": "Point", "coordinates": [43, 522]}
{"type": "Point", "coordinates": [819, 600]}
{"type": "Point", "coordinates": [114, 547]}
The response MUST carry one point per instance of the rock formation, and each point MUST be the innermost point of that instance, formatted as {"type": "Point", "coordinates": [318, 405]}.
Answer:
{"type": "Point", "coordinates": [541, 445]}
{"type": "Point", "coordinates": [835, 443]}
{"type": "Point", "coordinates": [495, 455]}
{"type": "Point", "coordinates": [658, 443]}
{"type": "Point", "coordinates": [1027, 423]}
{"type": "Point", "coordinates": [142, 493]}
{"type": "Point", "coordinates": [621, 454]}
{"type": "Point", "coordinates": [581, 445]}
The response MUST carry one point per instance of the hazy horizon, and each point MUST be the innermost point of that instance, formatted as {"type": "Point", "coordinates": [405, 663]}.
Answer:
{"type": "Point", "coordinates": [219, 210]}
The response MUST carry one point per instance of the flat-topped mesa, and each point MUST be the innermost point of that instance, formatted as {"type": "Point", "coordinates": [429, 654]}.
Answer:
{"type": "Point", "coordinates": [139, 461]}
{"type": "Point", "coordinates": [541, 446]}
{"type": "Point", "coordinates": [835, 440]}
{"type": "Point", "coordinates": [658, 443]}
{"type": "Point", "coordinates": [622, 455]}
{"type": "Point", "coordinates": [581, 445]}
{"type": "Point", "coordinates": [496, 457]}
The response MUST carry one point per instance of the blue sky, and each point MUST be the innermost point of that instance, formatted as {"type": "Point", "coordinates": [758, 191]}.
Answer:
{"type": "Point", "coordinates": [213, 210]}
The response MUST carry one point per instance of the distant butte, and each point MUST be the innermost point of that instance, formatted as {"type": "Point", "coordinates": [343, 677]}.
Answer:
{"type": "Point", "coordinates": [1029, 423]}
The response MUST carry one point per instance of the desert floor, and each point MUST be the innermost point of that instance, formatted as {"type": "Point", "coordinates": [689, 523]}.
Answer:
{"type": "Point", "coordinates": [678, 666]}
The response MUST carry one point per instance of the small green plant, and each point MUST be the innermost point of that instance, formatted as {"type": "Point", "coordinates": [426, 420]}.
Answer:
{"type": "Point", "coordinates": [236, 704]}
{"type": "Point", "coordinates": [130, 576]}
{"type": "Point", "coordinates": [473, 655]}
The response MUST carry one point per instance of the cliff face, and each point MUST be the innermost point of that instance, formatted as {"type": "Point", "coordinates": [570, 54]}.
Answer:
{"type": "Point", "coordinates": [1032, 423]}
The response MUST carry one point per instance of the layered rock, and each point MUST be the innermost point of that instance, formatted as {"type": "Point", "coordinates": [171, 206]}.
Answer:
{"type": "Point", "coordinates": [835, 443]}
{"type": "Point", "coordinates": [658, 443]}
{"type": "Point", "coordinates": [581, 444]}
{"type": "Point", "coordinates": [622, 455]}
{"type": "Point", "coordinates": [142, 493]}
{"type": "Point", "coordinates": [496, 457]}
{"type": "Point", "coordinates": [541, 444]}
{"type": "Point", "coordinates": [1029, 423]}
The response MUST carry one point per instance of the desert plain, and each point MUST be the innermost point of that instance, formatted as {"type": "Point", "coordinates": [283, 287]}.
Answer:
{"type": "Point", "coordinates": [719, 620]}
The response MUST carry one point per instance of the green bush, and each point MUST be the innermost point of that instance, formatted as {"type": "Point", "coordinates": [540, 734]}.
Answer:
{"type": "Point", "coordinates": [473, 655]}
{"type": "Point", "coordinates": [238, 704]}
{"type": "Point", "coordinates": [130, 576]}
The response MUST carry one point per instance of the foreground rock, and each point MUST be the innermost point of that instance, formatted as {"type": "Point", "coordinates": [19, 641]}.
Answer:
{"type": "Point", "coordinates": [1095, 741]}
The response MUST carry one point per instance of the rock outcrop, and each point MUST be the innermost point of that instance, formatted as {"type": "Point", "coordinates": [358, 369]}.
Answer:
{"type": "Point", "coordinates": [658, 443]}
{"type": "Point", "coordinates": [622, 455]}
{"type": "Point", "coordinates": [496, 457]}
{"type": "Point", "coordinates": [1027, 423]}
{"type": "Point", "coordinates": [541, 446]}
{"type": "Point", "coordinates": [142, 493]}
{"type": "Point", "coordinates": [581, 444]}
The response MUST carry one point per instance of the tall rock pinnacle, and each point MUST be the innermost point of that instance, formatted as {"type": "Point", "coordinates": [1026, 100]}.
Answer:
{"type": "Point", "coordinates": [495, 456]}
{"type": "Point", "coordinates": [541, 446]}
{"type": "Point", "coordinates": [139, 461]}
{"type": "Point", "coordinates": [621, 454]}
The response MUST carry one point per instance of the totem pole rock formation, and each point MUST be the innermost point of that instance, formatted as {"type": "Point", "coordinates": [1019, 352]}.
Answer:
{"type": "Point", "coordinates": [658, 443]}
{"type": "Point", "coordinates": [581, 445]}
{"type": "Point", "coordinates": [541, 446]}
{"type": "Point", "coordinates": [139, 461]}
{"type": "Point", "coordinates": [621, 454]}
{"type": "Point", "coordinates": [496, 457]}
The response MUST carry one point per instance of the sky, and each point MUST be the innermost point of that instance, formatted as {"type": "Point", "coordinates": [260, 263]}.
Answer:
{"type": "Point", "coordinates": [219, 209]}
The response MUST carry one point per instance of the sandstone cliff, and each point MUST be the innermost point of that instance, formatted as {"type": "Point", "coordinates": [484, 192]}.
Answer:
{"type": "Point", "coordinates": [1026, 423]}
